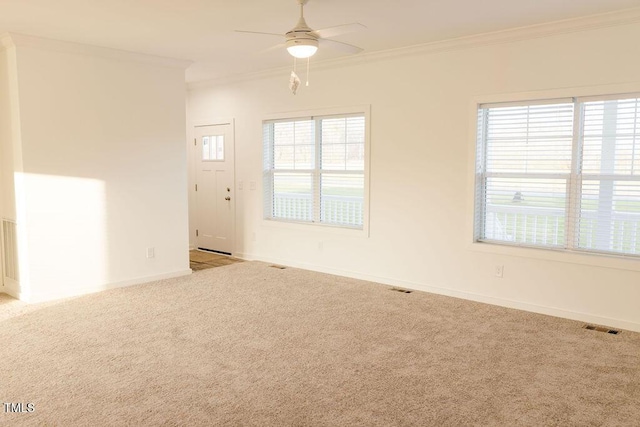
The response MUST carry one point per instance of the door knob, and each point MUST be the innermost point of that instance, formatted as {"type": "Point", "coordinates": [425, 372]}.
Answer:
{"type": "Point", "coordinates": [227, 198]}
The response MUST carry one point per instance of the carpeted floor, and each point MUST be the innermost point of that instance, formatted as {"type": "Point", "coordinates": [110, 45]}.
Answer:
{"type": "Point", "coordinates": [247, 344]}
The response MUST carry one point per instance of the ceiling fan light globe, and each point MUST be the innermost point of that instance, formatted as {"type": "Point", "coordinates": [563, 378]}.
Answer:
{"type": "Point", "coordinates": [302, 46]}
{"type": "Point", "coordinates": [301, 51]}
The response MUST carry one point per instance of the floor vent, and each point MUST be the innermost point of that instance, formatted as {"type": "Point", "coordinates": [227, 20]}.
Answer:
{"type": "Point", "coordinates": [601, 329]}
{"type": "Point", "coordinates": [10, 249]}
{"type": "Point", "coordinates": [404, 291]}
{"type": "Point", "coordinates": [279, 267]}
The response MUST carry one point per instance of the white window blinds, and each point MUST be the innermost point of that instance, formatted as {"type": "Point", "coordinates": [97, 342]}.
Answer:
{"type": "Point", "coordinates": [314, 170]}
{"type": "Point", "coordinates": [609, 213]}
{"type": "Point", "coordinates": [290, 163]}
{"type": "Point", "coordinates": [342, 171]}
{"type": "Point", "coordinates": [560, 174]}
{"type": "Point", "coordinates": [527, 162]}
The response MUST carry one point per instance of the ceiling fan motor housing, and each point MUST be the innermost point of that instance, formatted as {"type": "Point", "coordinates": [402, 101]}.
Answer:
{"type": "Point", "coordinates": [301, 35]}
{"type": "Point", "coordinates": [301, 41]}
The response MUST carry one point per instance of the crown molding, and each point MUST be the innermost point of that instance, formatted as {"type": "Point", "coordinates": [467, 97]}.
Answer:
{"type": "Point", "coordinates": [10, 40]}
{"type": "Point", "coordinates": [591, 22]}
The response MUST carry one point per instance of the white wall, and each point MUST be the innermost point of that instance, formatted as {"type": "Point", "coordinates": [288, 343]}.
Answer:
{"type": "Point", "coordinates": [421, 171]}
{"type": "Point", "coordinates": [5, 132]}
{"type": "Point", "coordinates": [10, 150]}
{"type": "Point", "coordinates": [104, 170]}
{"type": "Point", "coordinates": [5, 115]}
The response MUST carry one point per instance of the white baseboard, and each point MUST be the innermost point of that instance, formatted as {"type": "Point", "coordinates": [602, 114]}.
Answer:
{"type": "Point", "coordinates": [503, 302]}
{"type": "Point", "coordinates": [67, 293]}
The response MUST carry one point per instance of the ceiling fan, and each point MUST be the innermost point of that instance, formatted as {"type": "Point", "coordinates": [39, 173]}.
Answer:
{"type": "Point", "coordinates": [303, 42]}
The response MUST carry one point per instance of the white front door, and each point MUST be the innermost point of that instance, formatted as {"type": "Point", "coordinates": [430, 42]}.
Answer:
{"type": "Point", "coordinates": [215, 218]}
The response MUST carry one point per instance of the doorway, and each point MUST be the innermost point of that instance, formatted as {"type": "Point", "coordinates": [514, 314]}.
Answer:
{"type": "Point", "coordinates": [215, 185]}
{"type": "Point", "coordinates": [201, 260]}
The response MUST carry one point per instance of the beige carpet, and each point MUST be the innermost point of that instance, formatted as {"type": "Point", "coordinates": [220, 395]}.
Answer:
{"type": "Point", "coordinates": [247, 344]}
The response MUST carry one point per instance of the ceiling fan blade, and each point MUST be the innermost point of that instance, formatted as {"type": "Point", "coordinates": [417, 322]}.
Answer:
{"type": "Point", "coordinates": [329, 32]}
{"type": "Point", "coordinates": [344, 47]}
{"type": "Point", "coordinates": [259, 32]}
{"type": "Point", "coordinates": [272, 48]}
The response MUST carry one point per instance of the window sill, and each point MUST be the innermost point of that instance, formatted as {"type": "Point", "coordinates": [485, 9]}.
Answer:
{"type": "Point", "coordinates": [619, 262]}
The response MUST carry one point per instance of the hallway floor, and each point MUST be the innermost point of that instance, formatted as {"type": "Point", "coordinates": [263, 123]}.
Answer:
{"type": "Point", "coordinates": [201, 260]}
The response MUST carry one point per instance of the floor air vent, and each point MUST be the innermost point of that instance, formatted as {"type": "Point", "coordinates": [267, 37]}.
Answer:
{"type": "Point", "coordinates": [601, 329]}
{"type": "Point", "coordinates": [279, 267]}
{"type": "Point", "coordinates": [403, 291]}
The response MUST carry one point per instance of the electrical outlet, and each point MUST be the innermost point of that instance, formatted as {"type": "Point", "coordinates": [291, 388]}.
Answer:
{"type": "Point", "coordinates": [253, 236]}
{"type": "Point", "coordinates": [151, 252]}
{"type": "Point", "coordinates": [252, 185]}
{"type": "Point", "coordinates": [499, 271]}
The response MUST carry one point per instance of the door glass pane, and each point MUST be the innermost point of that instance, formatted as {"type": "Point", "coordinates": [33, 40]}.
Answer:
{"type": "Point", "coordinates": [213, 147]}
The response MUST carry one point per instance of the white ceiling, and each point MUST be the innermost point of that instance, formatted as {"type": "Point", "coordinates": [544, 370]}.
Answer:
{"type": "Point", "coordinates": [203, 30]}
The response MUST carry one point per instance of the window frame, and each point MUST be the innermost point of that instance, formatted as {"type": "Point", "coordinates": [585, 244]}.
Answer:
{"type": "Point", "coordinates": [322, 113]}
{"type": "Point", "coordinates": [569, 254]}
{"type": "Point", "coordinates": [480, 182]}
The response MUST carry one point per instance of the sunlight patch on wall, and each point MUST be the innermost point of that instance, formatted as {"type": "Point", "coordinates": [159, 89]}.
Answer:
{"type": "Point", "coordinates": [65, 235]}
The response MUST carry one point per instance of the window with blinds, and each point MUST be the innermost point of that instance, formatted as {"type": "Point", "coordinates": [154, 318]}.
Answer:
{"type": "Point", "coordinates": [608, 206]}
{"type": "Point", "coordinates": [314, 170]}
{"type": "Point", "coordinates": [560, 174]}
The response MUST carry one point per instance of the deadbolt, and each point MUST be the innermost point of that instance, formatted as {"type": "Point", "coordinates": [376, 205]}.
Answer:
{"type": "Point", "coordinates": [228, 189]}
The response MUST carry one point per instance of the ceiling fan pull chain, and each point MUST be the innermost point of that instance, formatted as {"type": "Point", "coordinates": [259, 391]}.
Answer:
{"type": "Point", "coordinates": [308, 59]}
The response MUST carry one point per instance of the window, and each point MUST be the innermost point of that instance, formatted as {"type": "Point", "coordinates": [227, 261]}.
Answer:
{"type": "Point", "coordinates": [314, 170]}
{"type": "Point", "coordinates": [560, 174]}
